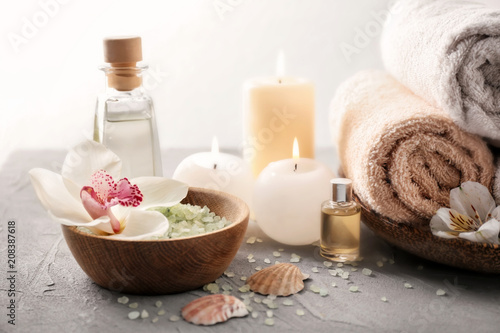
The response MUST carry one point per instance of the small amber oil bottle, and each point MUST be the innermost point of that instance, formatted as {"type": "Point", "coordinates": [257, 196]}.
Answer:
{"type": "Point", "coordinates": [340, 223]}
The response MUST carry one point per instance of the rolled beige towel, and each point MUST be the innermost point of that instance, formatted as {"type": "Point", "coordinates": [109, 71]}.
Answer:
{"type": "Point", "coordinates": [402, 154]}
{"type": "Point", "coordinates": [448, 53]}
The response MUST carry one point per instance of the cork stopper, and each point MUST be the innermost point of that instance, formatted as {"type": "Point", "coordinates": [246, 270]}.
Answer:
{"type": "Point", "coordinates": [123, 53]}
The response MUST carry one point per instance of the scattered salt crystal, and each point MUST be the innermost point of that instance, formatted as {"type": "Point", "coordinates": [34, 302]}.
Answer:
{"type": "Point", "coordinates": [219, 281]}
{"type": "Point", "coordinates": [408, 286]}
{"type": "Point", "coordinates": [155, 319]}
{"type": "Point", "coordinates": [252, 294]}
{"type": "Point", "coordinates": [258, 268]}
{"type": "Point", "coordinates": [133, 315]}
{"type": "Point", "coordinates": [295, 260]}
{"type": "Point", "coordinates": [281, 250]}
{"type": "Point", "coordinates": [276, 262]}
{"type": "Point", "coordinates": [272, 297]}
{"type": "Point", "coordinates": [354, 269]}
{"type": "Point", "coordinates": [267, 261]}
{"type": "Point", "coordinates": [266, 301]}
{"type": "Point", "coordinates": [174, 318]}
{"type": "Point", "coordinates": [323, 292]}
{"type": "Point", "coordinates": [133, 305]}
{"type": "Point", "coordinates": [259, 240]}
{"type": "Point", "coordinates": [384, 299]}
{"type": "Point", "coordinates": [366, 271]}
{"type": "Point", "coordinates": [288, 302]}
{"type": "Point", "coordinates": [226, 292]}
{"type": "Point", "coordinates": [276, 254]}
{"type": "Point", "coordinates": [250, 256]}
{"type": "Point", "coordinates": [251, 240]}
{"type": "Point", "coordinates": [327, 263]}
{"type": "Point", "coordinates": [315, 269]}
{"type": "Point", "coordinates": [272, 305]}
{"type": "Point", "coordinates": [255, 315]}
{"type": "Point", "coordinates": [299, 312]}
{"type": "Point", "coordinates": [123, 300]}
{"type": "Point", "coordinates": [243, 278]}
{"type": "Point", "coordinates": [340, 264]}
{"type": "Point", "coordinates": [144, 314]}
{"type": "Point", "coordinates": [380, 263]}
{"type": "Point", "coordinates": [244, 289]}
{"type": "Point", "coordinates": [340, 271]}
{"type": "Point", "coordinates": [355, 264]}
{"type": "Point", "coordinates": [269, 313]}
{"type": "Point", "coordinates": [353, 289]}
{"type": "Point", "coordinates": [391, 261]}
{"type": "Point", "coordinates": [334, 284]}
{"type": "Point", "coordinates": [345, 275]}
{"type": "Point", "coordinates": [440, 292]}
{"type": "Point", "coordinates": [420, 267]}
{"type": "Point", "coordinates": [213, 288]}
{"type": "Point", "coordinates": [384, 259]}
{"type": "Point", "coordinates": [227, 287]}
{"type": "Point", "coordinates": [314, 288]}
{"type": "Point", "coordinates": [158, 304]}
{"type": "Point", "coordinates": [229, 274]}
{"type": "Point", "coordinates": [161, 312]}
{"type": "Point", "coordinates": [249, 308]}
{"type": "Point", "coordinates": [251, 260]}
{"type": "Point", "coordinates": [257, 300]}
{"type": "Point", "coordinates": [246, 301]}
{"type": "Point", "coordinates": [269, 321]}
{"type": "Point", "coordinates": [332, 272]}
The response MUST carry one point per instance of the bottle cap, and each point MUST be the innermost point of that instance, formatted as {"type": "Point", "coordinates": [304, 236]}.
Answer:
{"type": "Point", "coordinates": [123, 50]}
{"type": "Point", "coordinates": [341, 189]}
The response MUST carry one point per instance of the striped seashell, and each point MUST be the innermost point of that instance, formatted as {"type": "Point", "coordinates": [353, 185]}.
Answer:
{"type": "Point", "coordinates": [213, 309]}
{"type": "Point", "coordinates": [281, 280]}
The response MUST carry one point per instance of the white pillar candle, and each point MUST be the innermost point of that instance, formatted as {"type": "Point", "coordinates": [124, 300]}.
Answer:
{"type": "Point", "coordinates": [217, 171]}
{"type": "Point", "coordinates": [276, 110]}
{"type": "Point", "coordinates": [287, 199]}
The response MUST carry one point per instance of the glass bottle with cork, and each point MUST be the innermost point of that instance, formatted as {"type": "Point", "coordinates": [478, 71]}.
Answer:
{"type": "Point", "coordinates": [340, 223]}
{"type": "Point", "coordinates": [124, 119]}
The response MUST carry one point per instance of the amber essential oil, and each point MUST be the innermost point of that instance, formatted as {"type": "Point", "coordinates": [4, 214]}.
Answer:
{"type": "Point", "coordinates": [340, 223]}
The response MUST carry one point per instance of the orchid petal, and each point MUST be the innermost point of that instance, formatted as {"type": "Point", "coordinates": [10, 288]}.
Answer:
{"type": "Point", "coordinates": [98, 225]}
{"type": "Point", "coordinates": [488, 233]}
{"type": "Point", "coordinates": [496, 213]}
{"type": "Point", "coordinates": [97, 209]}
{"type": "Point", "coordinates": [474, 200]}
{"type": "Point", "coordinates": [449, 221]}
{"type": "Point", "coordinates": [159, 191]}
{"type": "Point", "coordinates": [83, 160]}
{"type": "Point", "coordinates": [141, 225]}
{"type": "Point", "coordinates": [56, 199]}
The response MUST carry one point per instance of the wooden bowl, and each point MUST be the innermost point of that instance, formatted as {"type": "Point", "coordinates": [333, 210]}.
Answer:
{"type": "Point", "coordinates": [154, 267]}
{"type": "Point", "coordinates": [461, 253]}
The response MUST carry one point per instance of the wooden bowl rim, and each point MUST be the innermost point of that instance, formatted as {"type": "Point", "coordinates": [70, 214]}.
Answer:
{"type": "Point", "coordinates": [461, 241]}
{"type": "Point", "coordinates": [245, 214]}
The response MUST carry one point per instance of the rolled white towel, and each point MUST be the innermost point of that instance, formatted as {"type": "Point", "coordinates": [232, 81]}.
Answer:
{"type": "Point", "coordinates": [448, 53]}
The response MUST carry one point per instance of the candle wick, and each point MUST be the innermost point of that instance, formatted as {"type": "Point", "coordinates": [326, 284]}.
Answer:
{"type": "Point", "coordinates": [295, 169]}
{"type": "Point", "coordinates": [215, 166]}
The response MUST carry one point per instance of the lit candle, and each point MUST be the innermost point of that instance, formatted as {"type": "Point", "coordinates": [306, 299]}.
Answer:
{"type": "Point", "coordinates": [217, 171]}
{"type": "Point", "coordinates": [287, 199]}
{"type": "Point", "coordinates": [277, 109]}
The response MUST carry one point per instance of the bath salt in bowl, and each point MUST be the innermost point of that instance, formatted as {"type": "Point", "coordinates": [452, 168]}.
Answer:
{"type": "Point", "coordinates": [164, 266]}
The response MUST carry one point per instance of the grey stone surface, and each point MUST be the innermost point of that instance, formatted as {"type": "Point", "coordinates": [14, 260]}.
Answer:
{"type": "Point", "coordinates": [54, 295]}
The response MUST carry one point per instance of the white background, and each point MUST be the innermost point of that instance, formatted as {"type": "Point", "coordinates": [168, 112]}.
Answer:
{"type": "Point", "coordinates": [200, 51]}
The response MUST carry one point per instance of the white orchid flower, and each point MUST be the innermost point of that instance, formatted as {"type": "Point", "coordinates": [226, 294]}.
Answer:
{"type": "Point", "coordinates": [472, 215]}
{"type": "Point", "coordinates": [90, 193]}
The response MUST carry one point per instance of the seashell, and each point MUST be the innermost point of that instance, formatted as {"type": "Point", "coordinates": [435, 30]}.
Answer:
{"type": "Point", "coordinates": [213, 309]}
{"type": "Point", "coordinates": [281, 280]}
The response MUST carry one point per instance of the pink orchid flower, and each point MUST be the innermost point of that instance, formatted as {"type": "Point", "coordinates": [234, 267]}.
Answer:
{"type": "Point", "coordinates": [90, 193]}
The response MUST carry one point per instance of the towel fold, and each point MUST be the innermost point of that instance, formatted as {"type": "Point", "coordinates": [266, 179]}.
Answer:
{"type": "Point", "coordinates": [403, 155]}
{"type": "Point", "coordinates": [448, 53]}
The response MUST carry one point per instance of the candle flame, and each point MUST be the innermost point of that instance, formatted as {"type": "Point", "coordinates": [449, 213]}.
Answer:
{"type": "Point", "coordinates": [296, 154]}
{"type": "Point", "coordinates": [215, 151]}
{"type": "Point", "coordinates": [280, 64]}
